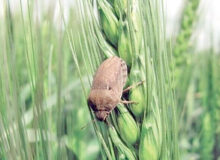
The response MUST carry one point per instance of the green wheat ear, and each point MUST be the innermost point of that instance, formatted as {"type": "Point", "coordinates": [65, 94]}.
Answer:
{"type": "Point", "coordinates": [132, 30]}
{"type": "Point", "coordinates": [182, 56]}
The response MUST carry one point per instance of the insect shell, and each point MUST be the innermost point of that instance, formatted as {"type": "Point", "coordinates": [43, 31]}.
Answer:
{"type": "Point", "coordinates": [107, 87]}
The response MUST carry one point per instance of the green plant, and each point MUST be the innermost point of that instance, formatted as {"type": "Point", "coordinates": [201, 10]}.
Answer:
{"type": "Point", "coordinates": [38, 81]}
{"type": "Point", "coordinates": [209, 132]}
{"type": "Point", "coordinates": [183, 52]}
{"type": "Point", "coordinates": [46, 54]}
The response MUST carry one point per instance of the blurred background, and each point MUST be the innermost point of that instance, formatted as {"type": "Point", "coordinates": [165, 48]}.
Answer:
{"type": "Point", "coordinates": [42, 105]}
{"type": "Point", "coordinates": [208, 14]}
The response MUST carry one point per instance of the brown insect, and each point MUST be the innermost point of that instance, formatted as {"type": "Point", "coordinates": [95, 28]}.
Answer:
{"type": "Point", "coordinates": [107, 87]}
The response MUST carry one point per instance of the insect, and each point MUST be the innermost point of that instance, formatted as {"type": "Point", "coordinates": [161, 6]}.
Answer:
{"type": "Point", "coordinates": [107, 87]}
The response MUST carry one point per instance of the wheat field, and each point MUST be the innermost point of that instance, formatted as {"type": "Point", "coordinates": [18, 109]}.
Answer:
{"type": "Point", "coordinates": [49, 53]}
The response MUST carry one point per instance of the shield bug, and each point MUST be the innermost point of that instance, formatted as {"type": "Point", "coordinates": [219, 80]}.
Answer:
{"type": "Point", "coordinates": [107, 87]}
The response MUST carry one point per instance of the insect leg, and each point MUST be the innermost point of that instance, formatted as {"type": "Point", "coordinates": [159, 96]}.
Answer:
{"type": "Point", "coordinates": [107, 122]}
{"type": "Point", "coordinates": [128, 102]}
{"type": "Point", "coordinates": [133, 86]}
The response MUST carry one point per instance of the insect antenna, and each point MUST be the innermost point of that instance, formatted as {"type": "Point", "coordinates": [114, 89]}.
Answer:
{"type": "Point", "coordinates": [88, 124]}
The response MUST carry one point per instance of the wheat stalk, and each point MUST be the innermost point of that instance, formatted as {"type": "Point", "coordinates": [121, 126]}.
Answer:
{"type": "Point", "coordinates": [209, 130]}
